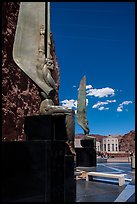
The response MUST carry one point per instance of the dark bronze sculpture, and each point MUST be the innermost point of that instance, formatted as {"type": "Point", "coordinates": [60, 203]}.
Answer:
{"type": "Point", "coordinates": [32, 53]}
{"type": "Point", "coordinates": [81, 107]}
{"type": "Point", "coordinates": [48, 108]}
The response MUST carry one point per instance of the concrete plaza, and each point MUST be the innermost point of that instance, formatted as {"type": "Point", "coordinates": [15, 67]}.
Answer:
{"type": "Point", "coordinates": [106, 190]}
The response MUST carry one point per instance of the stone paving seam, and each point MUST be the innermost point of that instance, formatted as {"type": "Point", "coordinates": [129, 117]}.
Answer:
{"type": "Point", "coordinates": [126, 193]}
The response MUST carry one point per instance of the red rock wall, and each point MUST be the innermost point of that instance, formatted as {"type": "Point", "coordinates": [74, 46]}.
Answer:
{"type": "Point", "coordinates": [20, 95]}
{"type": "Point", "coordinates": [127, 142]}
{"type": "Point", "coordinates": [55, 73]}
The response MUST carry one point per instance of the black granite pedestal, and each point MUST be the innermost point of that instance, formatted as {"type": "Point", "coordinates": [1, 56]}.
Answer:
{"type": "Point", "coordinates": [86, 155]}
{"type": "Point", "coordinates": [39, 170]}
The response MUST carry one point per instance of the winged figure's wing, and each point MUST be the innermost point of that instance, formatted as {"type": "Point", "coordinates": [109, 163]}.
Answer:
{"type": "Point", "coordinates": [25, 49]}
{"type": "Point", "coordinates": [81, 106]}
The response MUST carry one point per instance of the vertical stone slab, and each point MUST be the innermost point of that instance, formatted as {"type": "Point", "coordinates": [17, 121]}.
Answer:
{"type": "Point", "coordinates": [70, 181]}
{"type": "Point", "coordinates": [40, 171]}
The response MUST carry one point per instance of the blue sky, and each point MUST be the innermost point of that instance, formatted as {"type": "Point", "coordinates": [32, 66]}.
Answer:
{"type": "Point", "coordinates": [97, 39]}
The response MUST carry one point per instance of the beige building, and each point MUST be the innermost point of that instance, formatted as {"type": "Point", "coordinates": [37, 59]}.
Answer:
{"type": "Point", "coordinates": [98, 146]}
{"type": "Point", "coordinates": [110, 144]}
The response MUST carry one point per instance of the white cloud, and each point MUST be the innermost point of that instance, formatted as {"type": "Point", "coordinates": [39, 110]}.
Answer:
{"type": "Point", "coordinates": [119, 109]}
{"type": "Point", "coordinates": [103, 92]}
{"type": "Point", "coordinates": [126, 102]}
{"type": "Point", "coordinates": [120, 106]}
{"type": "Point", "coordinates": [111, 101]}
{"type": "Point", "coordinates": [69, 103]}
{"type": "Point", "coordinates": [86, 101]}
{"type": "Point", "coordinates": [89, 86]}
{"type": "Point", "coordinates": [100, 104]}
{"type": "Point", "coordinates": [103, 108]}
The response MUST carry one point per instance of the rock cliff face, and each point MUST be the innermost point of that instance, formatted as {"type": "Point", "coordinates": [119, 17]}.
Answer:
{"type": "Point", "coordinates": [126, 141]}
{"type": "Point", "coordinates": [20, 95]}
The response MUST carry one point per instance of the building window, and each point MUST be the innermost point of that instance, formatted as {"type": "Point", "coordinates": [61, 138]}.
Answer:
{"type": "Point", "coordinates": [104, 147]}
{"type": "Point", "coordinates": [108, 147]}
{"type": "Point", "coordinates": [116, 147]}
{"type": "Point", "coordinates": [112, 147]}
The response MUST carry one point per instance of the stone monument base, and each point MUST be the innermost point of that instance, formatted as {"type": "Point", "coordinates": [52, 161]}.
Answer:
{"type": "Point", "coordinates": [86, 155]}
{"type": "Point", "coordinates": [32, 172]}
{"type": "Point", "coordinates": [38, 170]}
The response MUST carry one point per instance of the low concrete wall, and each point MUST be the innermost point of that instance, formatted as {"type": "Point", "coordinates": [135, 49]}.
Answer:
{"type": "Point", "coordinates": [119, 159]}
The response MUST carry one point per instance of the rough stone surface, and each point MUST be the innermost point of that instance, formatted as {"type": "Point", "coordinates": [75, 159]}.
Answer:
{"type": "Point", "coordinates": [55, 73]}
{"type": "Point", "coordinates": [20, 95]}
{"type": "Point", "coordinates": [127, 141]}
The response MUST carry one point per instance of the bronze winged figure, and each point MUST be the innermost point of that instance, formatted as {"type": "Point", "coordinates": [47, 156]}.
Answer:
{"type": "Point", "coordinates": [81, 106]}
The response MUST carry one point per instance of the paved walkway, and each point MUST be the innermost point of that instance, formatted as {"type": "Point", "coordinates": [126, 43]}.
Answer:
{"type": "Point", "coordinates": [106, 190]}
